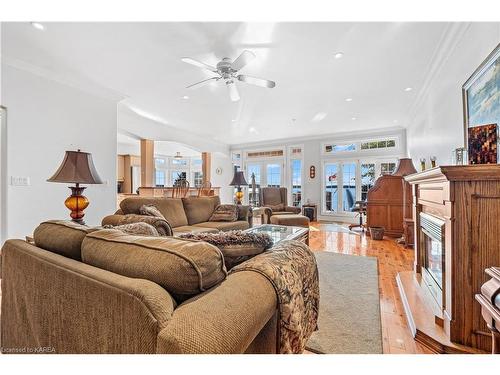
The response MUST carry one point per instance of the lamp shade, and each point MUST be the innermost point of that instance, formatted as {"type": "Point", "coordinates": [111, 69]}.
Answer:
{"type": "Point", "coordinates": [77, 167]}
{"type": "Point", "coordinates": [238, 179]}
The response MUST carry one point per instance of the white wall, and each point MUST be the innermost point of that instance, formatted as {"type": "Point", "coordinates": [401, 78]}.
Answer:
{"type": "Point", "coordinates": [45, 119]}
{"type": "Point", "coordinates": [223, 161]}
{"type": "Point", "coordinates": [437, 127]}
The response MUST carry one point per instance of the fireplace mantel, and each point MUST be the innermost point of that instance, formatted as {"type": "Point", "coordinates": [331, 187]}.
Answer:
{"type": "Point", "coordinates": [467, 200]}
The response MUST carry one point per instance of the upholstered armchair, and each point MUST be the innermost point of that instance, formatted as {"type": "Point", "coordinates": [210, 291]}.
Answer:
{"type": "Point", "coordinates": [273, 201]}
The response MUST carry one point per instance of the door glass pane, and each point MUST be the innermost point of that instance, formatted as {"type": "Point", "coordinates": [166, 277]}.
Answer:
{"type": "Point", "coordinates": [349, 186]}
{"type": "Point", "coordinates": [331, 192]}
{"type": "Point", "coordinates": [274, 175]}
{"type": "Point", "coordinates": [296, 182]}
{"type": "Point", "coordinates": [253, 169]}
{"type": "Point", "coordinates": [367, 179]}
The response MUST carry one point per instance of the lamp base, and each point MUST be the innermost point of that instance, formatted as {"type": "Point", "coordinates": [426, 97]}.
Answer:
{"type": "Point", "coordinates": [76, 203]}
{"type": "Point", "coordinates": [239, 196]}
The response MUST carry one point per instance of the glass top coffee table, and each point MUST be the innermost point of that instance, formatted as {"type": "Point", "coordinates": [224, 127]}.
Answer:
{"type": "Point", "coordinates": [281, 232]}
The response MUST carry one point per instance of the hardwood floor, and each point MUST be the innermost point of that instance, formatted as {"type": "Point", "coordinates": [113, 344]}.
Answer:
{"type": "Point", "coordinates": [392, 258]}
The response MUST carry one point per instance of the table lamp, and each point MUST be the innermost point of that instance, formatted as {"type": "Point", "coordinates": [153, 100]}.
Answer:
{"type": "Point", "coordinates": [238, 181]}
{"type": "Point", "coordinates": [77, 168]}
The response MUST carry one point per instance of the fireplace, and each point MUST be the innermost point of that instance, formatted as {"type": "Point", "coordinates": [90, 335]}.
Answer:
{"type": "Point", "coordinates": [432, 244]}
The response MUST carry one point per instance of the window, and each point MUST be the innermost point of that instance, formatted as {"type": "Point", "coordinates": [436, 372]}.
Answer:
{"type": "Point", "coordinates": [160, 178]}
{"type": "Point", "coordinates": [387, 168]}
{"type": "Point", "coordinates": [334, 148]}
{"type": "Point", "coordinates": [159, 161]}
{"type": "Point", "coordinates": [196, 162]}
{"type": "Point", "coordinates": [377, 144]}
{"type": "Point", "coordinates": [273, 175]}
{"type": "Point", "coordinates": [296, 182]}
{"type": "Point", "coordinates": [197, 179]}
{"type": "Point", "coordinates": [331, 188]}
{"type": "Point", "coordinates": [179, 162]}
{"type": "Point", "coordinates": [367, 178]}
{"type": "Point", "coordinates": [348, 186]}
{"type": "Point", "coordinates": [178, 175]}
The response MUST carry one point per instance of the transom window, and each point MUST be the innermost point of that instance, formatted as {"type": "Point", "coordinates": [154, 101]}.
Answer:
{"type": "Point", "coordinates": [384, 143]}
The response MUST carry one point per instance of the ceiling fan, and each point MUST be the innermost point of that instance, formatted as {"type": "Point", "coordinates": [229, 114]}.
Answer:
{"type": "Point", "coordinates": [227, 70]}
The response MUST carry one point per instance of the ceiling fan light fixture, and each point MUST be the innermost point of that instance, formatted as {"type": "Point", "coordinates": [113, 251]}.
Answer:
{"type": "Point", "coordinates": [178, 155]}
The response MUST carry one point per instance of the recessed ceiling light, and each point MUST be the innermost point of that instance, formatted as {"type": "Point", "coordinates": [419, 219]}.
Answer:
{"type": "Point", "coordinates": [185, 97]}
{"type": "Point", "coordinates": [319, 116]}
{"type": "Point", "coordinates": [395, 121]}
{"type": "Point", "coordinates": [348, 99]}
{"type": "Point", "coordinates": [233, 120]}
{"type": "Point", "coordinates": [339, 55]}
{"type": "Point", "coordinates": [353, 118]}
{"type": "Point", "coordinates": [408, 89]}
{"type": "Point", "coordinates": [37, 25]}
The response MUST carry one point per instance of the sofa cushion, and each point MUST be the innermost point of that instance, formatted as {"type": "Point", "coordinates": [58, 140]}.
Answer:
{"type": "Point", "coordinates": [225, 225]}
{"type": "Point", "coordinates": [277, 208]}
{"type": "Point", "coordinates": [171, 208]}
{"type": "Point", "coordinates": [225, 212]}
{"type": "Point", "coordinates": [199, 209]}
{"type": "Point", "coordinates": [182, 267]}
{"type": "Point", "coordinates": [62, 237]}
{"type": "Point", "coordinates": [192, 229]}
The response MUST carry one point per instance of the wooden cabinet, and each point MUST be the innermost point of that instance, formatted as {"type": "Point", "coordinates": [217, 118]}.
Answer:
{"type": "Point", "coordinates": [120, 168]}
{"type": "Point", "coordinates": [389, 199]}
{"type": "Point", "coordinates": [466, 199]}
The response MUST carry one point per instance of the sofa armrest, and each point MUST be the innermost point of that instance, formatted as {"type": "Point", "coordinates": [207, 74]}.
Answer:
{"type": "Point", "coordinates": [224, 319]}
{"type": "Point", "coordinates": [265, 213]}
{"type": "Point", "coordinates": [293, 210]}
{"type": "Point", "coordinates": [245, 213]}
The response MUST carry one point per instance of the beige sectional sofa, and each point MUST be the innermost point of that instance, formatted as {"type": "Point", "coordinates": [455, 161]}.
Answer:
{"type": "Point", "coordinates": [184, 215]}
{"type": "Point", "coordinates": [83, 290]}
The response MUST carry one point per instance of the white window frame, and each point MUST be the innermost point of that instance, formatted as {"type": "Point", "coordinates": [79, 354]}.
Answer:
{"type": "Point", "coordinates": [289, 184]}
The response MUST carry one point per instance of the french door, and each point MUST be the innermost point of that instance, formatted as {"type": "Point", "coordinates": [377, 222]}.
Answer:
{"type": "Point", "coordinates": [267, 173]}
{"type": "Point", "coordinates": [340, 187]}
{"type": "Point", "coordinates": [346, 181]}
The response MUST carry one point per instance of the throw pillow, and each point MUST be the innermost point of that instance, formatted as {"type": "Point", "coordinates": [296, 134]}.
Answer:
{"type": "Point", "coordinates": [137, 229]}
{"type": "Point", "coordinates": [150, 210]}
{"type": "Point", "coordinates": [236, 246]}
{"type": "Point", "coordinates": [225, 212]}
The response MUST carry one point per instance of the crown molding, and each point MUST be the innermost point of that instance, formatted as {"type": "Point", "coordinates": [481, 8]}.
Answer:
{"type": "Point", "coordinates": [447, 44]}
{"type": "Point", "coordinates": [89, 88]}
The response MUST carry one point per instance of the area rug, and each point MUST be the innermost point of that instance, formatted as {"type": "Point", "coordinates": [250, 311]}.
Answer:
{"type": "Point", "coordinates": [349, 312]}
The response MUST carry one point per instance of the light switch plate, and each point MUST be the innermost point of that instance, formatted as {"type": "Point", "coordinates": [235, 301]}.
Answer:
{"type": "Point", "coordinates": [19, 181]}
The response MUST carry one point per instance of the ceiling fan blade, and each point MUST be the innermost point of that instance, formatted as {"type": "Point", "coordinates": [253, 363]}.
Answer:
{"type": "Point", "coordinates": [199, 64]}
{"type": "Point", "coordinates": [257, 81]}
{"type": "Point", "coordinates": [243, 59]}
{"type": "Point", "coordinates": [203, 83]}
{"type": "Point", "coordinates": [233, 91]}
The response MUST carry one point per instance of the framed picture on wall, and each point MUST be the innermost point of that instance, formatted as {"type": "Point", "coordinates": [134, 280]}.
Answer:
{"type": "Point", "coordinates": [481, 101]}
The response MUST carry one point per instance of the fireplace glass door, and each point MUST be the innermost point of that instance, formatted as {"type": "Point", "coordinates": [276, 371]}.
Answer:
{"type": "Point", "coordinates": [432, 229]}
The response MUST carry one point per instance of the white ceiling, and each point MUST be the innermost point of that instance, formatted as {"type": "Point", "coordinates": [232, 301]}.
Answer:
{"type": "Point", "coordinates": [141, 61]}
